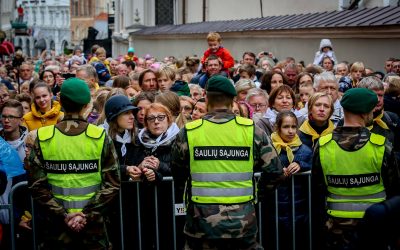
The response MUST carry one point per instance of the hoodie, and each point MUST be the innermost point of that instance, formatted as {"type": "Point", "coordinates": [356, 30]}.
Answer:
{"type": "Point", "coordinates": [34, 119]}
{"type": "Point", "coordinates": [319, 55]}
{"type": "Point", "coordinates": [19, 144]}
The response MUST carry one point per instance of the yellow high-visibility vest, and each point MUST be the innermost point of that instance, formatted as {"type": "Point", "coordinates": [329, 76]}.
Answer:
{"type": "Point", "coordinates": [221, 161]}
{"type": "Point", "coordinates": [353, 178]}
{"type": "Point", "coordinates": [73, 164]}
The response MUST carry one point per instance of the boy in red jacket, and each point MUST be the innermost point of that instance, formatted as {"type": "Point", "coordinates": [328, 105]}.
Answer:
{"type": "Point", "coordinates": [215, 48]}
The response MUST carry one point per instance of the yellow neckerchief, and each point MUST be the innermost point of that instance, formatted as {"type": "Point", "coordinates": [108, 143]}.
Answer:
{"type": "Point", "coordinates": [279, 144]}
{"type": "Point", "coordinates": [307, 129]}
{"type": "Point", "coordinates": [379, 121]}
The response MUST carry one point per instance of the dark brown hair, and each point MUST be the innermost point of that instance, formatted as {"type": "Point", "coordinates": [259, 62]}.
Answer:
{"type": "Point", "coordinates": [281, 116]}
{"type": "Point", "coordinates": [277, 91]}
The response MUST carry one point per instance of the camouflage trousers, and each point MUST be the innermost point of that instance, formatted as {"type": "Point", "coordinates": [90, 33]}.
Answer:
{"type": "Point", "coordinates": [59, 236]}
{"type": "Point", "coordinates": [245, 243]}
{"type": "Point", "coordinates": [341, 234]}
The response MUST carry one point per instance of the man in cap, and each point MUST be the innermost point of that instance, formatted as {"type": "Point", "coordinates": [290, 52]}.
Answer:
{"type": "Point", "coordinates": [217, 156]}
{"type": "Point", "coordinates": [73, 175]}
{"type": "Point", "coordinates": [352, 170]}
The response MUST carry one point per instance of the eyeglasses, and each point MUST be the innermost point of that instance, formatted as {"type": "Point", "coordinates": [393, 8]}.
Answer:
{"type": "Point", "coordinates": [258, 106]}
{"type": "Point", "coordinates": [10, 117]}
{"type": "Point", "coordinates": [159, 118]}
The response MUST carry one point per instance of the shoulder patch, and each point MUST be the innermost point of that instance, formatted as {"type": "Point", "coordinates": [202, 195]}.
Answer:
{"type": "Point", "coordinates": [194, 124]}
{"type": "Point", "coordinates": [94, 131]}
{"type": "Point", "coordinates": [325, 139]}
{"type": "Point", "coordinates": [45, 133]}
{"type": "Point", "coordinates": [244, 121]}
{"type": "Point", "coordinates": [377, 139]}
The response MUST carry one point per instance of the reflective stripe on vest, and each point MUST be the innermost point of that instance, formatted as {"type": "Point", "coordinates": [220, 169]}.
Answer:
{"type": "Point", "coordinates": [221, 161]}
{"type": "Point", "coordinates": [72, 164]}
{"type": "Point", "coordinates": [381, 195]}
{"type": "Point", "coordinates": [74, 191]}
{"type": "Point", "coordinates": [353, 185]}
{"type": "Point", "coordinates": [73, 205]}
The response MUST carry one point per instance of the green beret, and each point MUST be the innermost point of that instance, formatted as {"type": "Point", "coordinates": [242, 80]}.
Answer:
{"type": "Point", "coordinates": [76, 90]}
{"type": "Point", "coordinates": [221, 84]}
{"type": "Point", "coordinates": [359, 100]}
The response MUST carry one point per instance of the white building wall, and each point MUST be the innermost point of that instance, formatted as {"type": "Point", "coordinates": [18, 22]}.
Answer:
{"type": "Point", "coordinates": [373, 52]}
{"type": "Point", "coordinates": [6, 15]}
{"type": "Point", "coordinates": [49, 21]}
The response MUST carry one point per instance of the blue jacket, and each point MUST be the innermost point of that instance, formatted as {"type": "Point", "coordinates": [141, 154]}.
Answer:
{"type": "Point", "coordinates": [10, 162]}
{"type": "Point", "coordinates": [303, 156]}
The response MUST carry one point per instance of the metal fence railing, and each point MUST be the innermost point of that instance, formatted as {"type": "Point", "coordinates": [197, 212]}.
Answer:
{"type": "Point", "coordinates": [138, 203]}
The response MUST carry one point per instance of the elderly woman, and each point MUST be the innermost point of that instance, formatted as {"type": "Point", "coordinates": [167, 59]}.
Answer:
{"type": "Point", "coordinates": [320, 109]}
{"type": "Point", "coordinates": [242, 87]}
{"type": "Point", "coordinates": [196, 92]}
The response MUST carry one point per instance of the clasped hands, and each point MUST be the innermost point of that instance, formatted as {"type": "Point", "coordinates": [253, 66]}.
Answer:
{"type": "Point", "coordinates": [293, 168]}
{"type": "Point", "coordinates": [146, 168]}
{"type": "Point", "coordinates": [75, 221]}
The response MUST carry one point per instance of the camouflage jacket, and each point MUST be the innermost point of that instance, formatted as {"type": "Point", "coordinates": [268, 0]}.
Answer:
{"type": "Point", "coordinates": [352, 139]}
{"type": "Point", "coordinates": [38, 183]}
{"type": "Point", "coordinates": [215, 221]}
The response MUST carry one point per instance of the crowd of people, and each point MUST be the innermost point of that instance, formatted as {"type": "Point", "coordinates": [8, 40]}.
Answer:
{"type": "Point", "coordinates": [135, 119]}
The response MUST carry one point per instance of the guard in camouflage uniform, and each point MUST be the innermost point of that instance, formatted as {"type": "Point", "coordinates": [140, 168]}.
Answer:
{"type": "Point", "coordinates": [217, 155]}
{"type": "Point", "coordinates": [74, 176]}
{"type": "Point", "coordinates": [352, 169]}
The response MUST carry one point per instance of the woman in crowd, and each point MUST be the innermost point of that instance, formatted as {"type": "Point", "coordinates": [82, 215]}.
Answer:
{"type": "Point", "coordinates": [186, 105]}
{"type": "Point", "coordinates": [119, 112]}
{"type": "Point", "coordinates": [121, 82]}
{"type": "Point", "coordinates": [151, 163]}
{"type": "Point", "coordinates": [196, 92]}
{"type": "Point", "coordinates": [320, 109]}
{"type": "Point", "coordinates": [200, 109]}
{"type": "Point", "coordinates": [50, 79]}
{"type": "Point", "coordinates": [328, 63]}
{"type": "Point", "coordinates": [44, 110]}
{"type": "Point", "coordinates": [242, 87]}
{"type": "Point", "coordinates": [154, 142]}
{"type": "Point", "coordinates": [142, 101]}
{"type": "Point", "coordinates": [281, 99]}
{"type": "Point", "coordinates": [304, 78]}
{"type": "Point", "coordinates": [171, 100]}
{"type": "Point", "coordinates": [272, 80]}
{"type": "Point", "coordinates": [101, 120]}
{"type": "Point", "coordinates": [295, 157]}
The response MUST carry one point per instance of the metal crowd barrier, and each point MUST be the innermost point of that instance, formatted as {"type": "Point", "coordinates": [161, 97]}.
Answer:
{"type": "Point", "coordinates": [176, 211]}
